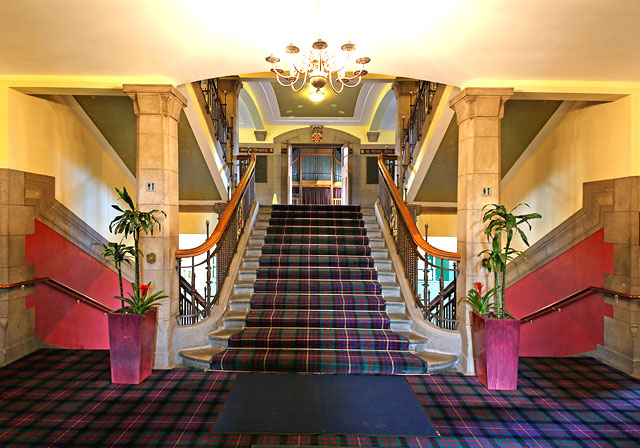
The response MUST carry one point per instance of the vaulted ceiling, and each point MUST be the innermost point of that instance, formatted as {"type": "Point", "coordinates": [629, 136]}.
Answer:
{"type": "Point", "coordinates": [452, 42]}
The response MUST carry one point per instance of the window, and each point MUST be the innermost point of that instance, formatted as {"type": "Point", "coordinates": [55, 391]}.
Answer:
{"type": "Point", "coordinates": [372, 170]}
{"type": "Point", "coordinates": [261, 169]}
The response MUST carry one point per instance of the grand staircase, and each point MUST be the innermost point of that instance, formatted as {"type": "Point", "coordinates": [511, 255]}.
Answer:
{"type": "Point", "coordinates": [317, 294]}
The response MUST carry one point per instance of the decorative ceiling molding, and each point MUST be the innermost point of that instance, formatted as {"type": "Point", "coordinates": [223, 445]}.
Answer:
{"type": "Point", "coordinates": [270, 112]}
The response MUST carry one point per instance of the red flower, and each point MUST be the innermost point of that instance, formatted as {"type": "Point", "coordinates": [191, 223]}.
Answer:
{"type": "Point", "coordinates": [144, 289]}
{"type": "Point", "coordinates": [478, 286]}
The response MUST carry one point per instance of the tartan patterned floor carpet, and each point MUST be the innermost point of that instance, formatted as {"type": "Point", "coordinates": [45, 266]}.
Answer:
{"type": "Point", "coordinates": [64, 398]}
{"type": "Point", "coordinates": [317, 305]}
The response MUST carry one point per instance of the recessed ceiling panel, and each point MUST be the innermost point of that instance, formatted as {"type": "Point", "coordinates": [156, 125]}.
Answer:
{"type": "Point", "coordinates": [114, 117]}
{"type": "Point", "coordinates": [523, 120]}
{"type": "Point", "coordinates": [298, 104]}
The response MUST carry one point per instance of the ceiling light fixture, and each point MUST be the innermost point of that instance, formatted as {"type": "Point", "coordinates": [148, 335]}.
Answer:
{"type": "Point", "coordinates": [320, 67]}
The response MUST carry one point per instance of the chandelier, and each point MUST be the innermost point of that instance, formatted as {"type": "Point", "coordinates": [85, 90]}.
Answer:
{"type": "Point", "coordinates": [320, 67]}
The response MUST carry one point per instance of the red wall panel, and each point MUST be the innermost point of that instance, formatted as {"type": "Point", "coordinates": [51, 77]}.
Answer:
{"type": "Point", "coordinates": [59, 319]}
{"type": "Point", "coordinates": [579, 326]}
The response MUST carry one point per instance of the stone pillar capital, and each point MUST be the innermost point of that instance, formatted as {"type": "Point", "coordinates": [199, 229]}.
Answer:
{"type": "Point", "coordinates": [155, 99]}
{"type": "Point", "coordinates": [486, 102]}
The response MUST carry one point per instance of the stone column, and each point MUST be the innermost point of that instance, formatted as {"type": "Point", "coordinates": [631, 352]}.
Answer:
{"type": "Point", "coordinates": [17, 322]}
{"type": "Point", "coordinates": [158, 110]}
{"type": "Point", "coordinates": [621, 345]}
{"type": "Point", "coordinates": [478, 113]}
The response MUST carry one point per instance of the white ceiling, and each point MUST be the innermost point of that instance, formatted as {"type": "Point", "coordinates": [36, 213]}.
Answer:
{"type": "Point", "coordinates": [450, 41]}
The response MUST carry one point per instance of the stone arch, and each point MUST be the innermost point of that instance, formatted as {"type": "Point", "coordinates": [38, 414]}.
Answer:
{"type": "Point", "coordinates": [360, 192]}
{"type": "Point", "coordinates": [330, 135]}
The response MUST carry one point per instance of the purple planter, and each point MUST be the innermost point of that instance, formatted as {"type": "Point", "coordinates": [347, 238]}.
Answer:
{"type": "Point", "coordinates": [132, 342]}
{"type": "Point", "coordinates": [495, 348]}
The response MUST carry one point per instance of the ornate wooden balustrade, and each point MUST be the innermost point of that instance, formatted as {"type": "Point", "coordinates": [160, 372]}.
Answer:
{"type": "Point", "coordinates": [441, 309]}
{"type": "Point", "coordinates": [204, 268]}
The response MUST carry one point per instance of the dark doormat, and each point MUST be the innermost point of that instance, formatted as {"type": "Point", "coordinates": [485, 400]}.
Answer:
{"type": "Point", "coordinates": [323, 404]}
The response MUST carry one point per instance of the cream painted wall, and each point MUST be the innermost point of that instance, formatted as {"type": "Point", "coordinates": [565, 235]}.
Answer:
{"type": "Point", "coordinates": [4, 126]}
{"type": "Point", "coordinates": [439, 225]}
{"type": "Point", "coordinates": [45, 137]}
{"type": "Point", "coordinates": [195, 223]}
{"type": "Point", "coordinates": [247, 137]}
{"type": "Point", "coordinates": [592, 142]}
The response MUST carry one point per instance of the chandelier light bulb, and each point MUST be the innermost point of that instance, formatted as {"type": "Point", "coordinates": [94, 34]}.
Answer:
{"type": "Point", "coordinates": [316, 95]}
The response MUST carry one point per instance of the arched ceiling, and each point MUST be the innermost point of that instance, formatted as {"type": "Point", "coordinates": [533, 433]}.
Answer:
{"type": "Point", "coordinates": [453, 41]}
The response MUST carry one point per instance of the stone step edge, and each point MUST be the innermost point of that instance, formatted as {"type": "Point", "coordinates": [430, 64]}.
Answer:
{"type": "Point", "coordinates": [224, 334]}
{"type": "Point", "coordinates": [437, 362]}
{"type": "Point", "coordinates": [393, 317]}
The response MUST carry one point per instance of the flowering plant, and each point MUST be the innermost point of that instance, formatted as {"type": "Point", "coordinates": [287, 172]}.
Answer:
{"type": "Point", "coordinates": [139, 300]}
{"type": "Point", "coordinates": [482, 304]}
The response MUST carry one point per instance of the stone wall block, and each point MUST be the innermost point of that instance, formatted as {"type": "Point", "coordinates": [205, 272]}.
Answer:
{"type": "Point", "coordinates": [16, 187]}
{"type": "Point", "coordinates": [626, 194]}
{"type": "Point", "coordinates": [21, 220]}
{"type": "Point", "coordinates": [617, 227]}
{"type": "Point", "coordinates": [151, 124]}
{"type": "Point", "coordinates": [15, 250]}
{"type": "Point", "coordinates": [154, 157]}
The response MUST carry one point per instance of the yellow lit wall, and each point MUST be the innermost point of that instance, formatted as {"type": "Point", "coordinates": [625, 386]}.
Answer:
{"type": "Point", "coordinates": [247, 136]}
{"type": "Point", "coordinates": [592, 142]}
{"type": "Point", "coordinates": [195, 223]}
{"type": "Point", "coordinates": [45, 137]}
{"type": "Point", "coordinates": [439, 225]}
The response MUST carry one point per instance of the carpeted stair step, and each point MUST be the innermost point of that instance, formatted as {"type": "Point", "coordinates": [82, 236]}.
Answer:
{"type": "Point", "coordinates": [318, 301]}
{"type": "Point", "coordinates": [319, 229]}
{"type": "Point", "coordinates": [315, 207]}
{"type": "Point", "coordinates": [274, 273]}
{"type": "Point", "coordinates": [323, 214]}
{"type": "Point", "coordinates": [325, 338]}
{"type": "Point", "coordinates": [318, 249]}
{"type": "Point", "coordinates": [318, 318]}
{"type": "Point", "coordinates": [317, 260]}
{"type": "Point", "coordinates": [343, 362]}
{"type": "Point", "coordinates": [318, 285]}
{"type": "Point", "coordinates": [356, 240]}
{"type": "Point", "coordinates": [315, 221]}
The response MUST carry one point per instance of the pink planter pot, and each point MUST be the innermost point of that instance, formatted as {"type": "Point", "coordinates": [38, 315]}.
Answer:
{"type": "Point", "coordinates": [132, 342]}
{"type": "Point", "coordinates": [496, 345]}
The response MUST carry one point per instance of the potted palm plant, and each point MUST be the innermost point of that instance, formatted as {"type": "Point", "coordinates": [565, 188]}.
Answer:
{"type": "Point", "coordinates": [132, 329]}
{"type": "Point", "coordinates": [118, 253]}
{"type": "Point", "coordinates": [496, 334]}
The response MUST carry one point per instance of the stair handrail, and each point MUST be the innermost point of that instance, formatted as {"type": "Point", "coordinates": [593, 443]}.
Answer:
{"type": "Point", "coordinates": [217, 252]}
{"type": "Point", "coordinates": [404, 213]}
{"type": "Point", "coordinates": [411, 247]}
{"type": "Point", "coordinates": [64, 288]}
{"type": "Point", "coordinates": [225, 218]}
{"type": "Point", "coordinates": [573, 297]}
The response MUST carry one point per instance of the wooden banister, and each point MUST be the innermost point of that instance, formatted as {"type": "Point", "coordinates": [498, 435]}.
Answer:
{"type": "Point", "coordinates": [404, 214]}
{"type": "Point", "coordinates": [225, 218]}
{"type": "Point", "coordinates": [572, 298]}
{"type": "Point", "coordinates": [61, 287]}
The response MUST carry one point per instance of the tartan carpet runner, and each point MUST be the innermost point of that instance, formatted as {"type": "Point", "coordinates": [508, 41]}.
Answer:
{"type": "Point", "coordinates": [317, 305]}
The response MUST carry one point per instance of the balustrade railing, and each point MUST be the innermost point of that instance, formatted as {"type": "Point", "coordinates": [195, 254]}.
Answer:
{"type": "Point", "coordinates": [217, 110]}
{"type": "Point", "coordinates": [412, 131]}
{"type": "Point", "coordinates": [212, 259]}
{"type": "Point", "coordinates": [412, 247]}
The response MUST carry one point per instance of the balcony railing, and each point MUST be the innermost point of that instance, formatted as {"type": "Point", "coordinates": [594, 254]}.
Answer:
{"type": "Point", "coordinates": [412, 131]}
{"type": "Point", "coordinates": [217, 110]}
{"type": "Point", "coordinates": [203, 269]}
{"type": "Point", "coordinates": [411, 246]}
